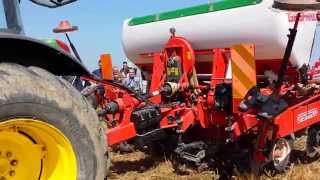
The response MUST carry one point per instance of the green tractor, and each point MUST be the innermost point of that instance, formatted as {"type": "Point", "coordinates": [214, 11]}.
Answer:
{"type": "Point", "coordinates": [48, 131]}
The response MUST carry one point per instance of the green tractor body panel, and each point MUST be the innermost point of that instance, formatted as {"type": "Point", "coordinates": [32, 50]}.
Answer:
{"type": "Point", "coordinates": [31, 52]}
{"type": "Point", "coordinates": [23, 50]}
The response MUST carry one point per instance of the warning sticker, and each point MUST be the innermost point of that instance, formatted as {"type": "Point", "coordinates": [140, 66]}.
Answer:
{"type": "Point", "coordinates": [307, 115]}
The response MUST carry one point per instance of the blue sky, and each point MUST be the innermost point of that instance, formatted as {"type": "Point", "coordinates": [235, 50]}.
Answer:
{"type": "Point", "coordinates": [99, 21]}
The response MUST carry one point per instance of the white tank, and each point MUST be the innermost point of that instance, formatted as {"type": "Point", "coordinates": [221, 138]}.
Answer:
{"type": "Point", "coordinates": [257, 23]}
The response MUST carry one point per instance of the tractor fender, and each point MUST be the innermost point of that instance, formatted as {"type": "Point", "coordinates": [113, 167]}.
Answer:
{"type": "Point", "coordinates": [27, 51]}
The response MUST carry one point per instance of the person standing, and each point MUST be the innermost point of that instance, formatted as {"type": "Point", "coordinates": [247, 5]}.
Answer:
{"type": "Point", "coordinates": [145, 80]}
{"type": "Point", "coordinates": [98, 72]}
{"type": "Point", "coordinates": [116, 75]}
{"type": "Point", "coordinates": [125, 69]}
{"type": "Point", "coordinates": [131, 81]}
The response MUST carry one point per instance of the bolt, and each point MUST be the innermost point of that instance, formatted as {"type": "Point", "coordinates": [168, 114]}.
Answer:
{"type": "Point", "coordinates": [12, 173]}
{"type": "Point", "coordinates": [9, 154]}
{"type": "Point", "coordinates": [14, 162]}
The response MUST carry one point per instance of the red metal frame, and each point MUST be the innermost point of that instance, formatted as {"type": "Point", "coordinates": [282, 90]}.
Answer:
{"type": "Point", "coordinates": [157, 76]}
{"type": "Point", "coordinates": [301, 113]}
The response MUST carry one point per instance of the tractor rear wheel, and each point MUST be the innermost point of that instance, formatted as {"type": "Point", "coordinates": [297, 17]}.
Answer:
{"type": "Point", "coordinates": [47, 129]}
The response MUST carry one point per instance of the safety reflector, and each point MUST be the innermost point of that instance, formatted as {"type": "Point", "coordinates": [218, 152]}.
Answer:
{"type": "Point", "coordinates": [106, 66]}
{"type": "Point", "coordinates": [243, 69]}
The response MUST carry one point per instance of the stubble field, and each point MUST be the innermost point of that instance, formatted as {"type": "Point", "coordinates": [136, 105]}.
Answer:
{"type": "Point", "coordinates": [140, 166]}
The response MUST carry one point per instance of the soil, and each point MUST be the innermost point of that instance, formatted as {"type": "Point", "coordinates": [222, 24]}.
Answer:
{"type": "Point", "coordinates": [140, 166]}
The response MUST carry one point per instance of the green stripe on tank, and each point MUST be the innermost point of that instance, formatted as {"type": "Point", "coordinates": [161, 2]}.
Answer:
{"type": "Point", "coordinates": [194, 10]}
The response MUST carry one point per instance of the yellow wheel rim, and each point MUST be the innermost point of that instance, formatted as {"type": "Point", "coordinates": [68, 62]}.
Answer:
{"type": "Point", "coordinates": [34, 150]}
